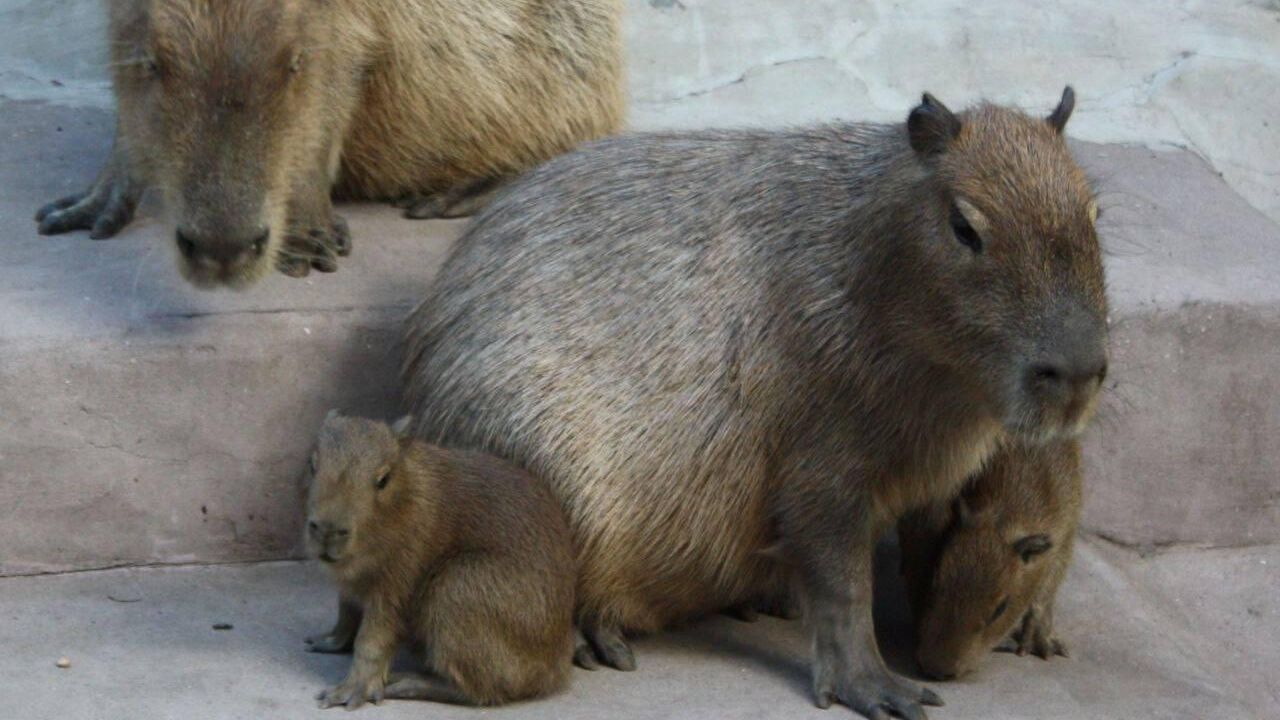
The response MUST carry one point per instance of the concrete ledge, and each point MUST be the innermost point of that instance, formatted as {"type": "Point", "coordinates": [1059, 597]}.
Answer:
{"type": "Point", "coordinates": [147, 422]}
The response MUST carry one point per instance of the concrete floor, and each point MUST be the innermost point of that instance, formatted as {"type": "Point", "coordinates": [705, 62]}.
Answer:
{"type": "Point", "coordinates": [1187, 634]}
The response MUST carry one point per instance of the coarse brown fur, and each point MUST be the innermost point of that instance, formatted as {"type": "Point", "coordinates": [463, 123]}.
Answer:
{"type": "Point", "coordinates": [462, 554]}
{"type": "Point", "coordinates": [715, 343]}
{"type": "Point", "coordinates": [988, 564]}
{"type": "Point", "coordinates": [247, 113]}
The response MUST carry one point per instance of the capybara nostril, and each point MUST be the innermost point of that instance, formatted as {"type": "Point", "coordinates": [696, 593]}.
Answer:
{"type": "Point", "coordinates": [1046, 373]}
{"type": "Point", "coordinates": [186, 245]}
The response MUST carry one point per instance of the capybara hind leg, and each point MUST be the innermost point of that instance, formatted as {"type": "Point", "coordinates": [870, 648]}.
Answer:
{"type": "Point", "coordinates": [473, 203]}
{"type": "Point", "coordinates": [610, 647]}
{"type": "Point", "coordinates": [455, 202]}
{"type": "Point", "coordinates": [419, 686]}
{"type": "Point", "coordinates": [583, 656]}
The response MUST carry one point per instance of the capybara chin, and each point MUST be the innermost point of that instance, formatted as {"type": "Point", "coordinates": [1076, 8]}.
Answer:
{"type": "Point", "coordinates": [460, 554]}
{"type": "Point", "coordinates": [717, 344]}
{"type": "Point", "coordinates": [983, 570]}
{"type": "Point", "coordinates": [246, 114]}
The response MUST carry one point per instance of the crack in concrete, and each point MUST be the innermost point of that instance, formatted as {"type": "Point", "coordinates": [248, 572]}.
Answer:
{"type": "Point", "coordinates": [742, 78]}
{"type": "Point", "coordinates": [1155, 547]}
{"type": "Point", "coordinates": [126, 567]}
{"type": "Point", "coordinates": [196, 314]}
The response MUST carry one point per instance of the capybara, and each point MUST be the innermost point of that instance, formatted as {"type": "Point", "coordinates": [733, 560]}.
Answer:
{"type": "Point", "coordinates": [983, 570]}
{"type": "Point", "coordinates": [462, 554]}
{"type": "Point", "coordinates": [733, 350]}
{"type": "Point", "coordinates": [245, 114]}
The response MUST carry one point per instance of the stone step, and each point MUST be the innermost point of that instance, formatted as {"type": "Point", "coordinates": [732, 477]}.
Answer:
{"type": "Point", "coordinates": [146, 422]}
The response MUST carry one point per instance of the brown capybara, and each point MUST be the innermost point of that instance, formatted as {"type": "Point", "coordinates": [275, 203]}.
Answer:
{"type": "Point", "coordinates": [983, 570]}
{"type": "Point", "coordinates": [462, 554]}
{"type": "Point", "coordinates": [718, 343]}
{"type": "Point", "coordinates": [247, 113]}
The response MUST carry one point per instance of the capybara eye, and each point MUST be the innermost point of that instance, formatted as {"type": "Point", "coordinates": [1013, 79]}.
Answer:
{"type": "Point", "coordinates": [1004, 605]}
{"type": "Point", "coordinates": [964, 231]}
{"type": "Point", "coordinates": [311, 464]}
{"type": "Point", "coordinates": [383, 479]}
{"type": "Point", "coordinates": [296, 63]}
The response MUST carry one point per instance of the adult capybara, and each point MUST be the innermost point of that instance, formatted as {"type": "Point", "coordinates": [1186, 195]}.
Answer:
{"type": "Point", "coordinates": [724, 347]}
{"type": "Point", "coordinates": [983, 570]}
{"type": "Point", "coordinates": [247, 113]}
{"type": "Point", "coordinates": [458, 553]}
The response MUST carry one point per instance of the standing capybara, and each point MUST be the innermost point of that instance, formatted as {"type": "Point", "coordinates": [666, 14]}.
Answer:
{"type": "Point", "coordinates": [463, 554]}
{"type": "Point", "coordinates": [247, 113]}
{"type": "Point", "coordinates": [986, 567]}
{"type": "Point", "coordinates": [719, 343]}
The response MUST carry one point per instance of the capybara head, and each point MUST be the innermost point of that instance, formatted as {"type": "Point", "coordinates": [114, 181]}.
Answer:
{"type": "Point", "coordinates": [358, 488]}
{"type": "Point", "coordinates": [220, 99]}
{"type": "Point", "coordinates": [986, 576]}
{"type": "Point", "coordinates": [1012, 296]}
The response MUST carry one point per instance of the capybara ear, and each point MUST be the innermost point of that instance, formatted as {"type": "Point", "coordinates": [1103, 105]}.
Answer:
{"type": "Point", "coordinates": [1061, 114]}
{"type": "Point", "coordinates": [931, 126]}
{"type": "Point", "coordinates": [402, 426]}
{"type": "Point", "coordinates": [1031, 546]}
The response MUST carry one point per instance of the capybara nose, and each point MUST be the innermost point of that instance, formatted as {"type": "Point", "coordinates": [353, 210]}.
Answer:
{"type": "Point", "coordinates": [1073, 352]}
{"type": "Point", "coordinates": [227, 252]}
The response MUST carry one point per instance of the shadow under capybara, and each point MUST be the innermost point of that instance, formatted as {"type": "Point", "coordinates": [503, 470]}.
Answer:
{"type": "Point", "coordinates": [246, 114]}
{"type": "Point", "coordinates": [723, 347]}
{"type": "Point", "coordinates": [982, 571]}
{"type": "Point", "coordinates": [463, 554]}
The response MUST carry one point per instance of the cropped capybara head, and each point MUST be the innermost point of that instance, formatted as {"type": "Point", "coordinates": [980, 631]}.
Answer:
{"type": "Point", "coordinates": [1024, 309]}
{"type": "Point", "coordinates": [356, 488]}
{"type": "Point", "coordinates": [993, 559]}
{"type": "Point", "coordinates": [986, 576]}
{"type": "Point", "coordinates": [222, 101]}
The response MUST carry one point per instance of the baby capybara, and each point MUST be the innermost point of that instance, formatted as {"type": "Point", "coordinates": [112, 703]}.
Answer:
{"type": "Point", "coordinates": [461, 554]}
{"type": "Point", "coordinates": [983, 570]}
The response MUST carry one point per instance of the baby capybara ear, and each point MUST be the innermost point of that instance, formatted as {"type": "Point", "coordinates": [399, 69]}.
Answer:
{"type": "Point", "coordinates": [931, 126]}
{"type": "Point", "coordinates": [1061, 114]}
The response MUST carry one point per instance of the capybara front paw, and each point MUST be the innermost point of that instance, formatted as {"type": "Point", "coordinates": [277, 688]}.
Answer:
{"type": "Point", "coordinates": [314, 249]}
{"type": "Point", "coordinates": [610, 648]}
{"type": "Point", "coordinates": [352, 693]}
{"type": "Point", "coordinates": [877, 696]}
{"type": "Point", "coordinates": [1035, 637]}
{"type": "Point", "coordinates": [103, 211]}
